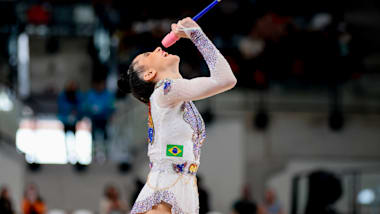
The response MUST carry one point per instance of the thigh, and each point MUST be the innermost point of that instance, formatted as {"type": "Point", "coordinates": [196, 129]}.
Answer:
{"type": "Point", "coordinates": [162, 208]}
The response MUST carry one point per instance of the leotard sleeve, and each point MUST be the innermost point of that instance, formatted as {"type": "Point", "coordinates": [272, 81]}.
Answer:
{"type": "Point", "coordinates": [172, 92]}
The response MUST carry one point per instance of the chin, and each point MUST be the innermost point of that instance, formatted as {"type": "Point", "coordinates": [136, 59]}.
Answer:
{"type": "Point", "coordinates": [174, 59]}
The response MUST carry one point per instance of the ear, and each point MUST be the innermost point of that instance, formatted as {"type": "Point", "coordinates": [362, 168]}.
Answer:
{"type": "Point", "coordinates": [149, 74]}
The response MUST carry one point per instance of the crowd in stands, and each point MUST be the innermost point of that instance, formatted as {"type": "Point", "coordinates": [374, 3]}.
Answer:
{"type": "Point", "coordinates": [265, 43]}
{"type": "Point", "coordinates": [32, 202]}
{"type": "Point", "coordinates": [97, 105]}
{"type": "Point", "coordinates": [112, 203]}
{"type": "Point", "coordinates": [246, 205]}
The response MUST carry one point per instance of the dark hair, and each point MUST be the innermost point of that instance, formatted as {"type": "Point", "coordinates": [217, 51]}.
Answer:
{"type": "Point", "coordinates": [3, 190]}
{"type": "Point", "coordinates": [130, 82]}
{"type": "Point", "coordinates": [35, 187]}
{"type": "Point", "coordinates": [108, 188]}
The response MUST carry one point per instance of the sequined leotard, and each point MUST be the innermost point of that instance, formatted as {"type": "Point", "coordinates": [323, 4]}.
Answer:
{"type": "Point", "coordinates": [176, 132]}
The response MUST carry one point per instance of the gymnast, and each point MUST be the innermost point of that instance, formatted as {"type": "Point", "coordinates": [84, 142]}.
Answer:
{"type": "Point", "coordinates": [176, 131]}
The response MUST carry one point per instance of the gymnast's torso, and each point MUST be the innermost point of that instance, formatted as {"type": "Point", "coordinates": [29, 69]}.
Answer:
{"type": "Point", "coordinates": [176, 133]}
{"type": "Point", "coordinates": [175, 137]}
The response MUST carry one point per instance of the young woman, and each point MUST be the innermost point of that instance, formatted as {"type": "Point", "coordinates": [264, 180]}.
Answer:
{"type": "Point", "coordinates": [176, 130]}
{"type": "Point", "coordinates": [32, 202]}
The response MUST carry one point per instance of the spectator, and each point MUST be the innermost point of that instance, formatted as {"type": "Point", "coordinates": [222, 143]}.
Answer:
{"type": "Point", "coordinates": [69, 106]}
{"type": "Point", "coordinates": [204, 204]}
{"type": "Point", "coordinates": [271, 205]}
{"type": "Point", "coordinates": [324, 190]}
{"type": "Point", "coordinates": [99, 106]}
{"type": "Point", "coordinates": [32, 202]}
{"type": "Point", "coordinates": [5, 202]}
{"type": "Point", "coordinates": [111, 203]}
{"type": "Point", "coordinates": [245, 205]}
{"type": "Point", "coordinates": [139, 186]}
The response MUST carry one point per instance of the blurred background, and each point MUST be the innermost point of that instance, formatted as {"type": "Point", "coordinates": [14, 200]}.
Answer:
{"type": "Point", "coordinates": [299, 134]}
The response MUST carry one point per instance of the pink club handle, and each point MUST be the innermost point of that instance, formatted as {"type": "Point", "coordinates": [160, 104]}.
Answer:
{"type": "Point", "coordinates": [169, 39]}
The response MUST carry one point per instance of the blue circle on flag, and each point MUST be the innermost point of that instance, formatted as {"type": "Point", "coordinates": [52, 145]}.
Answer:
{"type": "Point", "coordinates": [175, 150]}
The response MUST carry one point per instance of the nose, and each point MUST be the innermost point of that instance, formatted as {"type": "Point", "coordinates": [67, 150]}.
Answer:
{"type": "Point", "coordinates": [158, 49]}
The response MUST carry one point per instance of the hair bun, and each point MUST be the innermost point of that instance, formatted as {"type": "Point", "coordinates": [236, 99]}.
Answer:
{"type": "Point", "coordinates": [123, 83]}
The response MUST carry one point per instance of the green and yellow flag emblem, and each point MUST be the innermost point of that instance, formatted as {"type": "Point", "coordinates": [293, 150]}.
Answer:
{"type": "Point", "coordinates": [174, 150]}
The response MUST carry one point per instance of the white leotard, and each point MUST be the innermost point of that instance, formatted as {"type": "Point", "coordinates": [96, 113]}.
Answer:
{"type": "Point", "coordinates": [177, 132]}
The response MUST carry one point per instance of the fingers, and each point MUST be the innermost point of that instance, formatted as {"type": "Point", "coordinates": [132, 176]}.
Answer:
{"type": "Point", "coordinates": [187, 19]}
{"type": "Point", "coordinates": [181, 23]}
{"type": "Point", "coordinates": [174, 28]}
{"type": "Point", "coordinates": [187, 22]}
{"type": "Point", "coordinates": [178, 28]}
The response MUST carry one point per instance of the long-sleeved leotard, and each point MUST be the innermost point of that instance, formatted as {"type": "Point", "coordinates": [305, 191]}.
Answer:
{"type": "Point", "coordinates": [177, 132]}
{"type": "Point", "coordinates": [221, 77]}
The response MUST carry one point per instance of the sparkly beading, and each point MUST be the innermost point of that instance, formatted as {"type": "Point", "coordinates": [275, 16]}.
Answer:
{"type": "Point", "coordinates": [185, 168]}
{"type": "Point", "coordinates": [150, 126]}
{"type": "Point", "coordinates": [204, 46]}
{"type": "Point", "coordinates": [155, 199]}
{"type": "Point", "coordinates": [167, 85]}
{"type": "Point", "coordinates": [194, 119]}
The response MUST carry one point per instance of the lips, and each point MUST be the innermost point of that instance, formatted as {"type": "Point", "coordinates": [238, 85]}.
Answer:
{"type": "Point", "coordinates": [162, 52]}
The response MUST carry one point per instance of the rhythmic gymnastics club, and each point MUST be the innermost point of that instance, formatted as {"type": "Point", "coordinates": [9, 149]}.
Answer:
{"type": "Point", "coordinates": [171, 38]}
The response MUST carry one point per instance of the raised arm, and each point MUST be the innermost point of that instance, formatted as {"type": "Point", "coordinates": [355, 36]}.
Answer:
{"type": "Point", "coordinates": [221, 76]}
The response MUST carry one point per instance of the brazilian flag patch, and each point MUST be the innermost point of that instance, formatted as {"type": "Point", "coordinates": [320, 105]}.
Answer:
{"type": "Point", "coordinates": [174, 150]}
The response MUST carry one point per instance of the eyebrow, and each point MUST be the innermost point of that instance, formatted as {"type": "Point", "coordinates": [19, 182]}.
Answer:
{"type": "Point", "coordinates": [146, 54]}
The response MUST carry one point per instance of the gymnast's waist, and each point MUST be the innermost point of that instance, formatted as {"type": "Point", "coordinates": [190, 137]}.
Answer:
{"type": "Point", "coordinates": [183, 167]}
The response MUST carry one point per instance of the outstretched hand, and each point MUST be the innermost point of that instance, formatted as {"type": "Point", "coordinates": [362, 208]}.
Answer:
{"type": "Point", "coordinates": [178, 28]}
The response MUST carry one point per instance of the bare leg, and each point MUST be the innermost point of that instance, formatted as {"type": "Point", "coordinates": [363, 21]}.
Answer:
{"type": "Point", "coordinates": [162, 208]}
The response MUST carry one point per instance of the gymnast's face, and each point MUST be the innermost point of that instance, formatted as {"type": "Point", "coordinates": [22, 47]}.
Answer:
{"type": "Point", "coordinates": [157, 64]}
